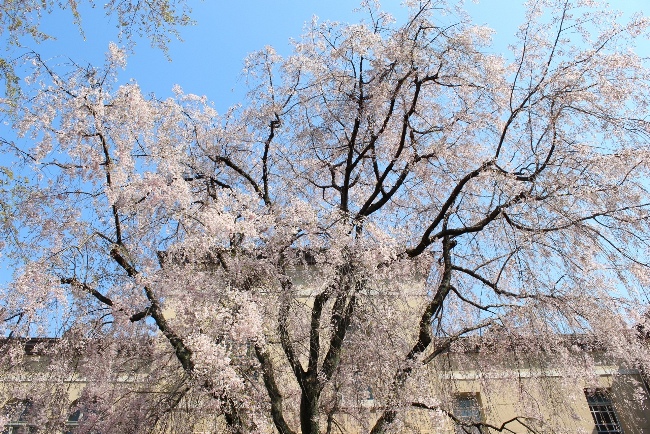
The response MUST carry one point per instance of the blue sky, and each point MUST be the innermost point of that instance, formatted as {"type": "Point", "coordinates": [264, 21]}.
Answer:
{"type": "Point", "coordinates": [209, 61]}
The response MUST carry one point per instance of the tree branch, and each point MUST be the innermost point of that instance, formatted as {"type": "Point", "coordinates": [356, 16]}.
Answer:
{"type": "Point", "coordinates": [73, 281]}
{"type": "Point", "coordinates": [183, 353]}
{"type": "Point", "coordinates": [341, 317]}
{"type": "Point", "coordinates": [501, 428]}
{"type": "Point", "coordinates": [265, 167]}
{"type": "Point", "coordinates": [272, 389]}
{"type": "Point", "coordinates": [426, 239]}
{"type": "Point", "coordinates": [424, 336]}
{"type": "Point", "coordinates": [283, 331]}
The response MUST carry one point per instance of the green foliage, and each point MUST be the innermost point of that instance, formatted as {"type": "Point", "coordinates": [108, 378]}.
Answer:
{"type": "Point", "coordinates": [10, 78]}
{"type": "Point", "coordinates": [156, 20]}
{"type": "Point", "coordinates": [13, 189]}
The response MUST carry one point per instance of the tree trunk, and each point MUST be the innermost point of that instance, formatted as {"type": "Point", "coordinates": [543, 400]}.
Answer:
{"type": "Point", "coordinates": [309, 416]}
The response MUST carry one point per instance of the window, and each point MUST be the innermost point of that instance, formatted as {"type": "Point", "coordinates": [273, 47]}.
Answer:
{"type": "Point", "coordinates": [18, 413]}
{"type": "Point", "coordinates": [73, 421]}
{"type": "Point", "coordinates": [467, 410]}
{"type": "Point", "coordinates": [81, 413]}
{"type": "Point", "coordinates": [602, 410]}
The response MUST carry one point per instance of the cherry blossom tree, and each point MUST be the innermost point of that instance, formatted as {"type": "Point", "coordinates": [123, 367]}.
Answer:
{"type": "Point", "coordinates": [388, 195]}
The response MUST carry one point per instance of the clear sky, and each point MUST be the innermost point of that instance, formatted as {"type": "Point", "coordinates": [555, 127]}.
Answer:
{"type": "Point", "coordinates": [209, 60]}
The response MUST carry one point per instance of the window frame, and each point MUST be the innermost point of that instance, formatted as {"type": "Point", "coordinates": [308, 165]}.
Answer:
{"type": "Point", "coordinates": [602, 410]}
{"type": "Point", "coordinates": [19, 410]}
{"type": "Point", "coordinates": [474, 407]}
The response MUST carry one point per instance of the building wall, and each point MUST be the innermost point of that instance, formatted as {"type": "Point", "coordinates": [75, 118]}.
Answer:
{"type": "Point", "coordinates": [553, 404]}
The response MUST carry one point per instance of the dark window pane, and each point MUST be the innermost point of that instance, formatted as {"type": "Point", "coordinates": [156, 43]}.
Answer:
{"type": "Point", "coordinates": [602, 411]}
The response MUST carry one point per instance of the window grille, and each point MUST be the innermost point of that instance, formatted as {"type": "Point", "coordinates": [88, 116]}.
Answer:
{"type": "Point", "coordinates": [467, 410]}
{"type": "Point", "coordinates": [602, 410]}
